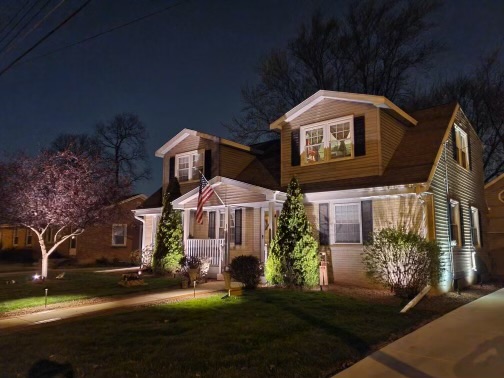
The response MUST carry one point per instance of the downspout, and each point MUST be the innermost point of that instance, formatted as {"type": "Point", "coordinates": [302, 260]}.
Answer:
{"type": "Point", "coordinates": [448, 202]}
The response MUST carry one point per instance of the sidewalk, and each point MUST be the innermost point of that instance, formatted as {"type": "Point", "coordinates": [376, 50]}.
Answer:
{"type": "Point", "coordinates": [467, 342]}
{"type": "Point", "coordinates": [16, 323]}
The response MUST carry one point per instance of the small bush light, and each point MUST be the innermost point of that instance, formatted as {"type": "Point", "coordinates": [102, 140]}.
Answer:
{"type": "Point", "coordinates": [36, 277]}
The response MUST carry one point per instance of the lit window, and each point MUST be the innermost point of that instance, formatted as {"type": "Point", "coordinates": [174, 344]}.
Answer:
{"type": "Point", "coordinates": [461, 147]}
{"type": "Point", "coordinates": [347, 223]}
{"type": "Point", "coordinates": [475, 227]}
{"type": "Point", "coordinates": [222, 225]}
{"type": "Point", "coordinates": [328, 140]}
{"type": "Point", "coordinates": [188, 165]}
{"type": "Point", "coordinates": [119, 234]}
{"type": "Point", "coordinates": [15, 237]}
{"type": "Point", "coordinates": [456, 236]}
{"type": "Point", "coordinates": [29, 237]}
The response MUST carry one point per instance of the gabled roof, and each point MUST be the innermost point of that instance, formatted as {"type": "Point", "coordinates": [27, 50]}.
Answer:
{"type": "Point", "coordinates": [415, 158]}
{"type": "Point", "coordinates": [494, 181]}
{"type": "Point", "coordinates": [155, 200]}
{"type": "Point", "coordinates": [186, 132]}
{"type": "Point", "coordinates": [378, 101]}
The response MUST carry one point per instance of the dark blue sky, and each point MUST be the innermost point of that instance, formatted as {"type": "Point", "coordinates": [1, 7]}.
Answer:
{"type": "Point", "coordinates": [184, 67]}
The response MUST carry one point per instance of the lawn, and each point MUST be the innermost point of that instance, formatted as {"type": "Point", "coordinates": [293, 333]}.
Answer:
{"type": "Point", "coordinates": [267, 333]}
{"type": "Point", "coordinates": [75, 286]}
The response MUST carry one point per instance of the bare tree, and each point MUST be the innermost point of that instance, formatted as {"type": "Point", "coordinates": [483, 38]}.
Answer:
{"type": "Point", "coordinates": [123, 141]}
{"type": "Point", "coordinates": [374, 48]}
{"type": "Point", "coordinates": [77, 143]}
{"type": "Point", "coordinates": [481, 95]}
{"type": "Point", "coordinates": [58, 194]}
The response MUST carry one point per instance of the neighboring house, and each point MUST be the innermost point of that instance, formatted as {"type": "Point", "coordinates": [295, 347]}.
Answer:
{"type": "Point", "coordinates": [113, 241]}
{"type": "Point", "coordinates": [494, 192]}
{"type": "Point", "coordinates": [363, 164]}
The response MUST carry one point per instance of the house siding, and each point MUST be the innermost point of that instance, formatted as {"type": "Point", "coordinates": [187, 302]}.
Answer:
{"type": "Point", "coordinates": [233, 161]}
{"type": "Point", "coordinates": [465, 186]}
{"type": "Point", "coordinates": [367, 165]}
{"type": "Point", "coordinates": [494, 228]}
{"type": "Point", "coordinates": [391, 133]}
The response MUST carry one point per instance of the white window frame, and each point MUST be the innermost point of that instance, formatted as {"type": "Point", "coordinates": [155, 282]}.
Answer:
{"type": "Point", "coordinates": [222, 222]}
{"type": "Point", "coordinates": [29, 234]}
{"type": "Point", "coordinates": [125, 230]}
{"type": "Point", "coordinates": [457, 242]}
{"type": "Point", "coordinates": [462, 146]}
{"type": "Point", "coordinates": [475, 222]}
{"type": "Point", "coordinates": [326, 126]}
{"type": "Point", "coordinates": [332, 222]}
{"type": "Point", "coordinates": [190, 155]}
{"type": "Point", "coordinates": [15, 237]}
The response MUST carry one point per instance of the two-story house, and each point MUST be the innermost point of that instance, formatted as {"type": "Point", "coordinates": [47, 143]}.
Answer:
{"type": "Point", "coordinates": [363, 164]}
{"type": "Point", "coordinates": [494, 193]}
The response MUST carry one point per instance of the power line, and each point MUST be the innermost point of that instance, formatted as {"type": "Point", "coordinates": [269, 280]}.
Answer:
{"type": "Point", "coordinates": [19, 21]}
{"type": "Point", "coordinates": [45, 37]}
{"type": "Point", "coordinates": [106, 31]}
{"type": "Point", "coordinates": [15, 16]}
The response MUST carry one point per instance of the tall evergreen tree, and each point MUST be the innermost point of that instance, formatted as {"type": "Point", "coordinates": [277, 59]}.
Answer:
{"type": "Point", "coordinates": [293, 259]}
{"type": "Point", "coordinates": [169, 237]}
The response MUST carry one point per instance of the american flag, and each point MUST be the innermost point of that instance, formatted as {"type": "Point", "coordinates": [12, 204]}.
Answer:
{"type": "Point", "coordinates": [205, 192]}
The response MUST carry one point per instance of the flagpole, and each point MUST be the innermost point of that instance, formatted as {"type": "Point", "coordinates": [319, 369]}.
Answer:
{"type": "Point", "coordinates": [201, 173]}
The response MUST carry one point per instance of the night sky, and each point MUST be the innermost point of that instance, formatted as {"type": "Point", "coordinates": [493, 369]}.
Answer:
{"type": "Point", "coordinates": [182, 68]}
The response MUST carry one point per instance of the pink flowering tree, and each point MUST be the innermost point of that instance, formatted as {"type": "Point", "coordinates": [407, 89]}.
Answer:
{"type": "Point", "coordinates": [62, 191]}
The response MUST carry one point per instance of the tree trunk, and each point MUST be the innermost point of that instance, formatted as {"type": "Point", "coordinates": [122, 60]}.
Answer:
{"type": "Point", "coordinates": [45, 263]}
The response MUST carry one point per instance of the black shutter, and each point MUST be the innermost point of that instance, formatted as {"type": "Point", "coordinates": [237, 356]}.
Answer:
{"type": "Point", "coordinates": [238, 227]}
{"type": "Point", "coordinates": [360, 136]}
{"type": "Point", "coordinates": [461, 219]}
{"type": "Point", "coordinates": [469, 150]}
{"type": "Point", "coordinates": [171, 174]}
{"type": "Point", "coordinates": [211, 225]}
{"type": "Point", "coordinates": [208, 164]}
{"type": "Point", "coordinates": [324, 224]}
{"type": "Point", "coordinates": [367, 221]}
{"type": "Point", "coordinates": [295, 148]}
{"type": "Point", "coordinates": [454, 143]}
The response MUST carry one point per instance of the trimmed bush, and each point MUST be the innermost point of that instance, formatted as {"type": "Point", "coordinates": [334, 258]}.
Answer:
{"type": "Point", "coordinates": [24, 256]}
{"type": "Point", "coordinates": [246, 269]}
{"type": "Point", "coordinates": [401, 260]}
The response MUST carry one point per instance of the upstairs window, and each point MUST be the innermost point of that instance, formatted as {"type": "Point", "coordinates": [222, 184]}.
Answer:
{"type": "Point", "coordinates": [119, 235]}
{"type": "Point", "coordinates": [461, 153]}
{"type": "Point", "coordinates": [328, 140]}
{"type": "Point", "coordinates": [188, 165]}
{"type": "Point", "coordinates": [456, 236]}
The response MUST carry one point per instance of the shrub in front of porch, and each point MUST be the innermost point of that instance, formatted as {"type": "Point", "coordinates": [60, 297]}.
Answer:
{"type": "Point", "coordinates": [245, 269]}
{"type": "Point", "coordinates": [293, 259]}
{"type": "Point", "coordinates": [169, 248]}
{"type": "Point", "coordinates": [402, 260]}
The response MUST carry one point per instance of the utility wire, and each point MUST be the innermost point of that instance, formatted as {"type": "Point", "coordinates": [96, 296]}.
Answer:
{"type": "Point", "coordinates": [45, 37]}
{"type": "Point", "coordinates": [19, 21]}
{"type": "Point", "coordinates": [106, 31]}
{"type": "Point", "coordinates": [15, 16]}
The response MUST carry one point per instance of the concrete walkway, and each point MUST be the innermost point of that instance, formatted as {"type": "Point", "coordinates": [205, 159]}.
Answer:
{"type": "Point", "coordinates": [467, 342]}
{"type": "Point", "coordinates": [16, 323]}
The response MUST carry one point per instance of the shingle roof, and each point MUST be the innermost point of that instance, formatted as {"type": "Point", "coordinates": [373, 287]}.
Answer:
{"type": "Point", "coordinates": [153, 201]}
{"type": "Point", "coordinates": [412, 161]}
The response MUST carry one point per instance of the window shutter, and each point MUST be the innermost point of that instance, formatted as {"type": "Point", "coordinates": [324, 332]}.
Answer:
{"type": "Point", "coordinates": [171, 174]}
{"type": "Point", "coordinates": [469, 149]}
{"type": "Point", "coordinates": [367, 221]}
{"type": "Point", "coordinates": [211, 225]}
{"type": "Point", "coordinates": [454, 143]}
{"type": "Point", "coordinates": [324, 224]}
{"type": "Point", "coordinates": [238, 227]}
{"type": "Point", "coordinates": [461, 218]}
{"type": "Point", "coordinates": [208, 164]}
{"type": "Point", "coordinates": [295, 148]}
{"type": "Point", "coordinates": [359, 136]}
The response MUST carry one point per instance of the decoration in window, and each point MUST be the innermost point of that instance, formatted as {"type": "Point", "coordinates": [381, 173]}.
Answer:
{"type": "Point", "coordinates": [347, 223]}
{"type": "Point", "coordinates": [340, 140]}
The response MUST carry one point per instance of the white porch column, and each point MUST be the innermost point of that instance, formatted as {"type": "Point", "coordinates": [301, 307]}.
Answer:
{"type": "Point", "coordinates": [226, 235]}
{"type": "Point", "coordinates": [187, 220]}
{"type": "Point", "coordinates": [272, 222]}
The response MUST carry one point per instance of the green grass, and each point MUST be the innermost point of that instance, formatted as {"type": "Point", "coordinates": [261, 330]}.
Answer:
{"type": "Point", "coordinates": [75, 286]}
{"type": "Point", "coordinates": [268, 333]}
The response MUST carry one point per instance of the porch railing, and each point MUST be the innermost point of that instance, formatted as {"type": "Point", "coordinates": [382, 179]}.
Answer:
{"type": "Point", "coordinates": [212, 248]}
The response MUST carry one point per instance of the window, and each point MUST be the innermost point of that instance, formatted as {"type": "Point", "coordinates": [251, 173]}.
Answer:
{"type": "Point", "coordinates": [455, 230]}
{"type": "Point", "coordinates": [48, 236]}
{"type": "Point", "coordinates": [15, 237]}
{"type": "Point", "coordinates": [461, 147]}
{"type": "Point", "coordinates": [475, 227]}
{"type": "Point", "coordinates": [347, 223]}
{"type": "Point", "coordinates": [328, 140]}
{"type": "Point", "coordinates": [29, 237]}
{"type": "Point", "coordinates": [222, 225]}
{"type": "Point", "coordinates": [188, 165]}
{"type": "Point", "coordinates": [119, 234]}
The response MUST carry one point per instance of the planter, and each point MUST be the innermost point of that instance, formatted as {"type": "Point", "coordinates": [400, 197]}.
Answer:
{"type": "Point", "coordinates": [227, 280]}
{"type": "Point", "coordinates": [193, 275]}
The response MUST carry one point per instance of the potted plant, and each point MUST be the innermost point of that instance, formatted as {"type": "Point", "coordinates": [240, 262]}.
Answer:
{"type": "Point", "coordinates": [190, 267]}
